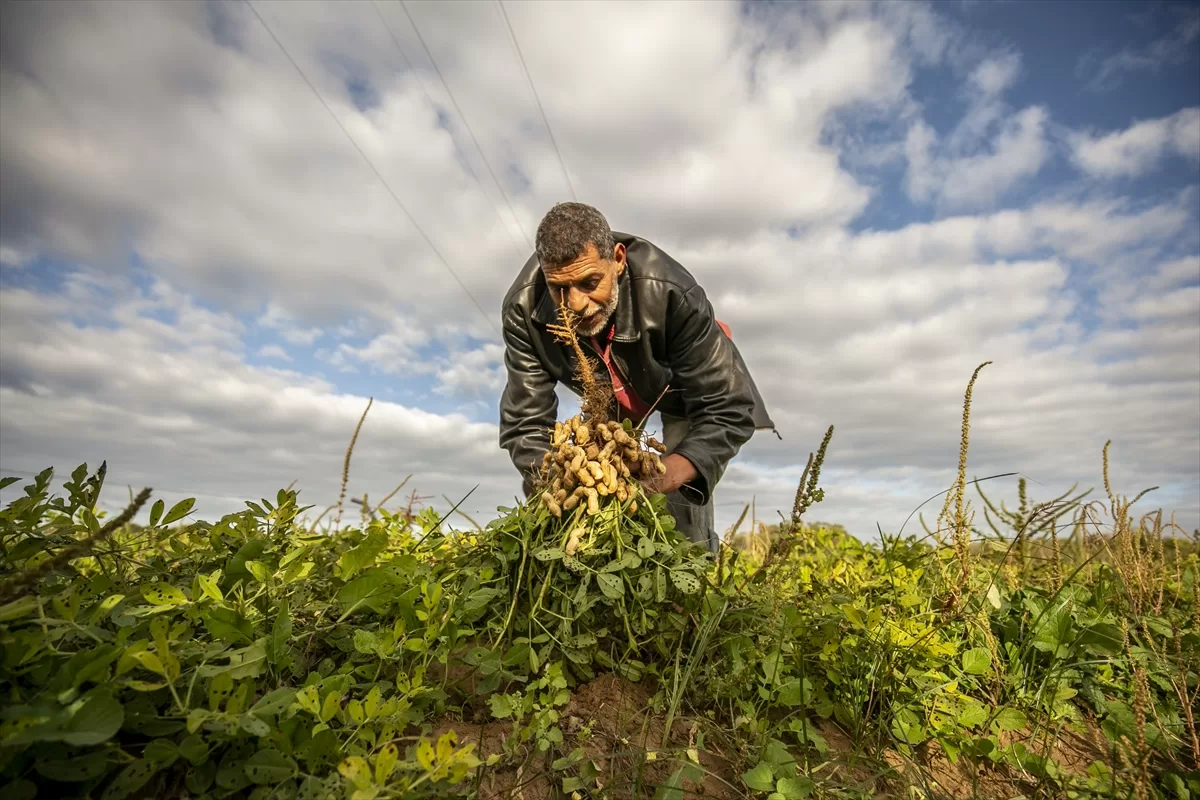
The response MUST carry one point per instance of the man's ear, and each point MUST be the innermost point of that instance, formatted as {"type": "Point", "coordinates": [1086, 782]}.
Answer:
{"type": "Point", "coordinates": [619, 257]}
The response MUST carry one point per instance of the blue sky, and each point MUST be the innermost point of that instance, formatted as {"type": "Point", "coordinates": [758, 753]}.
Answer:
{"type": "Point", "coordinates": [203, 281]}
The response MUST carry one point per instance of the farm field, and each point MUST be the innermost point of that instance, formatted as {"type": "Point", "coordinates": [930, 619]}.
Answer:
{"type": "Point", "coordinates": [1031, 648]}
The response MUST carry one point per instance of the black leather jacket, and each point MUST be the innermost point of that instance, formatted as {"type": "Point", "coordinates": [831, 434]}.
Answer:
{"type": "Point", "coordinates": [665, 335]}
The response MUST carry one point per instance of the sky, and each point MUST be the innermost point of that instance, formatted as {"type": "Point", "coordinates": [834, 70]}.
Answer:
{"type": "Point", "coordinates": [224, 226]}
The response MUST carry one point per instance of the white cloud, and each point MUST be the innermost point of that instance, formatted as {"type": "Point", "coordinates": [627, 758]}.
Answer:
{"type": "Point", "coordinates": [709, 128]}
{"type": "Point", "coordinates": [200, 419]}
{"type": "Point", "coordinates": [1140, 148]}
{"type": "Point", "coordinates": [1170, 49]}
{"type": "Point", "coordinates": [273, 351]}
{"type": "Point", "coordinates": [990, 151]}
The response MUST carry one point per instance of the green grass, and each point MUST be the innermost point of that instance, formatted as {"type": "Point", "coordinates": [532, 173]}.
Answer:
{"type": "Point", "coordinates": [1050, 651]}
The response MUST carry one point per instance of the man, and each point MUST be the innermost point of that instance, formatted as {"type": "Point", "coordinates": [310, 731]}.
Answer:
{"type": "Point", "coordinates": [644, 317]}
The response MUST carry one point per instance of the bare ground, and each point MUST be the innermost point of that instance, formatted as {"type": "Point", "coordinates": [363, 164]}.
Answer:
{"type": "Point", "coordinates": [610, 719]}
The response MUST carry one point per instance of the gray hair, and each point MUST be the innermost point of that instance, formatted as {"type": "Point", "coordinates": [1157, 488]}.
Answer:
{"type": "Point", "coordinates": [567, 229]}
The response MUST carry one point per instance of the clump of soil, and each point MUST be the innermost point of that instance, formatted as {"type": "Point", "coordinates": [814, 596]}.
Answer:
{"type": "Point", "coordinates": [610, 719]}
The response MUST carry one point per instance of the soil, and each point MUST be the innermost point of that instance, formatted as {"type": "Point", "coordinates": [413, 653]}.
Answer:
{"type": "Point", "coordinates": [609, 718]}
{"type": "Point", "coordinates": [939, 778]}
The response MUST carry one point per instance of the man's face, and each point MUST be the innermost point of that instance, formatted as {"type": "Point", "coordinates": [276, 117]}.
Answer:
{"type": "Point", "coordinates": [588, 287]}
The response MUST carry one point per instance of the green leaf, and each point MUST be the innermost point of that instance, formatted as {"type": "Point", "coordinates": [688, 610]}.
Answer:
{"type": "Point", "coordinates": [274, 702]}
{"type": "Point", "coordinates": [18, 608]}
{"type": "Point", "coordinates": [74, 770]}
{"type": "Point", "coordinates": [760, 779]}
{"type": "Point", "coordinates": [259, 570]}
{"type": "Point", "coordinates": [611, 585]}
{"type": "Point", "coordinates": [363, 555]}
{"type": "Point", "coordinates": [1102, 637]}
{"type": "Point", "coordinates": [1053, 630]}
{"type": "Point", "coordinates": [549, 554]}
{"type": "Point", "coordinates": [309, 700]}
{"type": "Point", "coordinates": [972, 715]}
{"type": "Point", "coordinates": [794, 788]}
{"type": "Point", "coordinates": [130, 779]}
{"type": "Point", "coordinates": [371, 589]}
{"type": "Point", "coordinates": [227, 624]}
{"type": "Point", "coordinates": [645, 547]}
{"type": "Point", "coordinates": [253, 725]}
{"type": "Point", "coordinates": [219, 690]}
{"type": "Point", "coordinates": [96, 721]}
{"type": "Point", "coordinates": [795, 692]}
{"type": "Point", "coordinates": [685, 581]}
{"type": "Point", "coordinates": [156, 512]}
{"type": "Point", "coordinates": [163, 594]}
{"type": "Point", "coordinates": [269, 766]}
{"type": "Point", "coordinates": [194, 749]}
{"type": "Point", "coordinates": [1011, 719]}
{"type": "Point", "coordinates": [502, 706]}
{"type": "Point", "coordinates": [161, 751]}
{"type": "Point", "coordinates": [210, 588]}
{"type": "Point", "coordinates": [976, 661]}
{"type": "Point", "coordinates": [280, 633]}
{"type": "Point", "coordinates": [179, 510]}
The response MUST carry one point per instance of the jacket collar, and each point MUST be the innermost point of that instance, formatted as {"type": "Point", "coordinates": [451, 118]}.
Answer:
{"type": "Point", "coordinates": [625, 317]}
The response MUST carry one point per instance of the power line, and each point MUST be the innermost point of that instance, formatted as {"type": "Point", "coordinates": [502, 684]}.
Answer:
{"type": "Point", "coordinates": [379, 175]}
{"type": "Point", "coordinates": [536, 99]}
{"type": "Point", "coordinates": [462, 116]}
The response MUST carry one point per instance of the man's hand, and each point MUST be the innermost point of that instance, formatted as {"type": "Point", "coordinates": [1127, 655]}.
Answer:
{"type": "Point", "coordinates": [679, 471]}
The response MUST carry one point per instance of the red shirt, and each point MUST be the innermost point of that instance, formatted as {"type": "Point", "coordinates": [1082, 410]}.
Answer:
{"type": "Point", "coordinates": [632, 407]}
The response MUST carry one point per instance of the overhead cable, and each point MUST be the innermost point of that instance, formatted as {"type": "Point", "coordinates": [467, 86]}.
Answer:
{"type": "Point", "coordinates": [374, 169]}
{"type": "Point", "coordinates": [461, 115]}
{"type": "Point", "coordinates": [536, 99]}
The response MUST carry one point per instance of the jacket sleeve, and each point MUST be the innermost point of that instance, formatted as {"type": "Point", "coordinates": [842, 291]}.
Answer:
{"type": "Point", "coordinates": [528, 404]}
{"type": "Point", "coordinates": [717, 397]}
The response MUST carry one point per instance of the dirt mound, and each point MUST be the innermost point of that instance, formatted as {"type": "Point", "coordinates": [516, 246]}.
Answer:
{"type": "Point", "coordinates": [610, 720]}
{"type": "Point", "coordinates": [889, 774]}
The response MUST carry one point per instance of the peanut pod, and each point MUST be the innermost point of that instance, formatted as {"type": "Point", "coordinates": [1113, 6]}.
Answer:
{"type": "Point", "coordinates": [657, 445]}
{"type": "Point", "coordinates": [593, 502]}
{"type": "Point", "coordinates": [585, 478]}
{"type": "Point", "coordinates": [605, 433]}
{"type": "Point", "coordinates": [593, 451]}
{"type": "Point", "coordinates": [647, 463]}
{"type": "Point", "coordinates": [551, 504]}
{"type": "Point", "coordinates": [595, 470]}
{"type": "Point", "coordinates": [582, 434]}
{"type": "Point", "coordinates": [610, 477]}
{"type": "Point", "coordinates": [560, 495]}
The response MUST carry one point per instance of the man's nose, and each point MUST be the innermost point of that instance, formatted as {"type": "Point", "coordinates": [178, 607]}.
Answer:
{"type": "Point", "coordinates": [577, 300]}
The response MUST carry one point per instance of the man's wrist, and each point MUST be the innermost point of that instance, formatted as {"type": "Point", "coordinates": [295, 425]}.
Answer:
{"type": "Point", "coordinates": [680, 468]}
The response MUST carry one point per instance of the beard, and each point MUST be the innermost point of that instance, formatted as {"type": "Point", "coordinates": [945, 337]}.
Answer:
{"type": "Point", "coordinates": [603, 314]}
